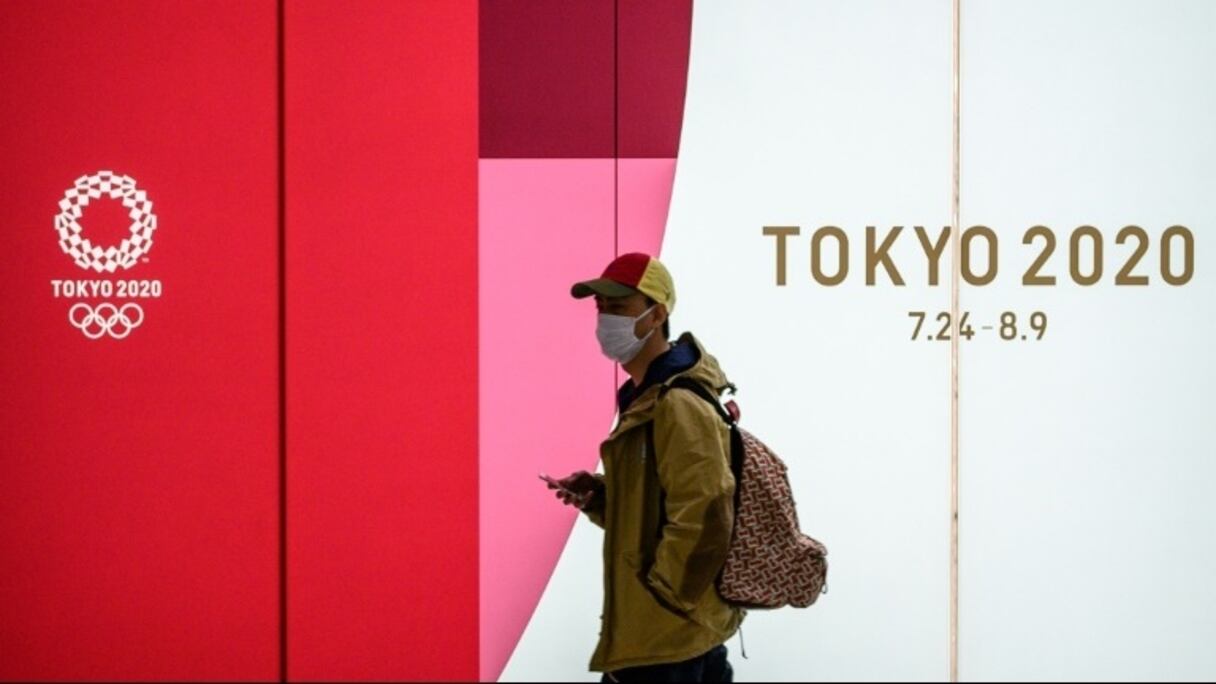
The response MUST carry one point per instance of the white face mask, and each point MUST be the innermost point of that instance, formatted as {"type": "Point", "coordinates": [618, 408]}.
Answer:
{"type": "Point", "coordinates": [615, 333]}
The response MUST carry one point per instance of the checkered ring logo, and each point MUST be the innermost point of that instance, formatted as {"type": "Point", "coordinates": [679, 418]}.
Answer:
{"type": "Point", "coordinates": [80, 248]}
{"type": "Point", "coordinates": [106, 306]}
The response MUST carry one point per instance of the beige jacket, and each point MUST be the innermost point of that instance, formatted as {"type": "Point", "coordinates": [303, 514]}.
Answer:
{"type": "Point", "coordinates": [667, 519]}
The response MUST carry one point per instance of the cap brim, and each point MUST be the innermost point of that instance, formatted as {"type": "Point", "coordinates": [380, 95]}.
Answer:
{"type": "Point", "coordinates": [601, 286]}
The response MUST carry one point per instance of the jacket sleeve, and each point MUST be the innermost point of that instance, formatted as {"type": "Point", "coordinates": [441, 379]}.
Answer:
{"type": "Point", "coordinates": [692, 455]}
{"type": "Point", "coordinates": [595, 509]}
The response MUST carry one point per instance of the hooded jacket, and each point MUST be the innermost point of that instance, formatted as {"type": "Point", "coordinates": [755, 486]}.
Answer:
{"type": "Point", "coordinates": [667, 510]}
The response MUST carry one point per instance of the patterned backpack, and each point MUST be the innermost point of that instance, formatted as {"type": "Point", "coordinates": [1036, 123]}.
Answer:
{"type": "Point", "coordinates": [771, 563]}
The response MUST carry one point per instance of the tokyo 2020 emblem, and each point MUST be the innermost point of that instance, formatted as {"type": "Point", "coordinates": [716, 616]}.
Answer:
{"type": "Point", "coordinates": [105, 318]}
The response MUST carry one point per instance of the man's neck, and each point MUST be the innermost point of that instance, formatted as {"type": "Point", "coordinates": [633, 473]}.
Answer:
{"type": "Point", "coordinates": [638, 365]}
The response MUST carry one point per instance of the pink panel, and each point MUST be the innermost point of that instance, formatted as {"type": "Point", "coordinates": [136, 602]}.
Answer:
{"type": "Point", "coordinates": [545, 403]}
{"type": "Point", "coordinates": [644, 194]}
{"type": "Point", "coordinates": [546, 391]}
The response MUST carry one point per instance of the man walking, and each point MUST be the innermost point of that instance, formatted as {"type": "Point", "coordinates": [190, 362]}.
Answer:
{"type": "Point", "coordinates": [666, 497]}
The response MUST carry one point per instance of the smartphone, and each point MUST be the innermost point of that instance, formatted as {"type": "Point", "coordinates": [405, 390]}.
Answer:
{"type": "Point", "coordinates": [553, 482]}
{"type": "Point", "coordinates": [559, 486]}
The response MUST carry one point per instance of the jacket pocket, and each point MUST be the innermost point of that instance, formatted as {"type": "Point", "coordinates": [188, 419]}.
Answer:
{"type": "Point", "coordinates": [710, 612]}
{"type": "Point", "coordinates": [638, 569]}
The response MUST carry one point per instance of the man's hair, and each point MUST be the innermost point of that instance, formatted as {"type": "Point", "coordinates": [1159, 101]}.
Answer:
{"type": "Point", "coordinates": [666, 321]}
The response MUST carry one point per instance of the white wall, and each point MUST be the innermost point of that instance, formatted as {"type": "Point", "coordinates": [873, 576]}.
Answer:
{"type": "Point", "coordinates": [1088, 539]}
{"type": "Point", "coordinates": [1089, 458]}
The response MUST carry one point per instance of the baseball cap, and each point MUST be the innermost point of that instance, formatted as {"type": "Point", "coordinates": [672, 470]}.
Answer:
{"type": "Point", "coordinates": [629, 274]}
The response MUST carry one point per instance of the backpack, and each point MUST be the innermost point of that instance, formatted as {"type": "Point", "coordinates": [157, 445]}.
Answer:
{"type": "Point", "coordinates": [770, 562]}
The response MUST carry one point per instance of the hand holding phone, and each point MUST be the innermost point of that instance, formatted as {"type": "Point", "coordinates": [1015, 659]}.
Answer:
{"type": "Point", "coordinates": [577, 489]}
{"type": "Point", "coordinates": [553, 483]}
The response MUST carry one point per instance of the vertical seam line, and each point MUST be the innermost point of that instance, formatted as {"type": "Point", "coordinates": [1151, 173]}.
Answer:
{"type": "Point", "coordinates": [616, 153]}
{"type": "Point", "coordinates": [280, 17]}
{"type": "Point", "coordinates": [956, 34]}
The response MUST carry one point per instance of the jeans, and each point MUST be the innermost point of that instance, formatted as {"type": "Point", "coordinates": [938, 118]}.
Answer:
{"type": "Point", "coordinates": [711, 666]}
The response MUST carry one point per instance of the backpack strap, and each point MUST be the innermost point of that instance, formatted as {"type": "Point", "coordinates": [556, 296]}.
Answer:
{"type": "Point", "coordinates": [701, 391]}
{"type": "Point", "coordinates": [736, 439]}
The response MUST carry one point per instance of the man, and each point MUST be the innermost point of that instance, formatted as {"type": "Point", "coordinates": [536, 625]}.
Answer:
{"type": "Point", "coordinates": [666, 497]}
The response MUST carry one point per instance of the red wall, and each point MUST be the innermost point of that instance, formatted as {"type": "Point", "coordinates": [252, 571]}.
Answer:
{"type": "Point", "coordinates": [382, 339]}
{"type": "Point", "coordinates": [145, 483]}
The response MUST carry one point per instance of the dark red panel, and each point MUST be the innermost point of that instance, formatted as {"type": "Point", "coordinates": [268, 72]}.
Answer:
{"type": "Point", "coordinates": [546, 78]}
{"type": "Point", "coordinates": [382, 340]}
{"type": "Point", "coordinates": [653, 45]}
{"type": "Point", "coordinates": [139, 477]}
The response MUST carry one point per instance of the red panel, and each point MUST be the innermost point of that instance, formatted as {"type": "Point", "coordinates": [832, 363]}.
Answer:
{"type": "Point", "coordinates": [547, 78]}
{"type": "Point", "coordinates": [382, 339]}
{"type": "Point", "coordinates": [653, 44]}
{"type": "Point", "coordinates": [139, 477]}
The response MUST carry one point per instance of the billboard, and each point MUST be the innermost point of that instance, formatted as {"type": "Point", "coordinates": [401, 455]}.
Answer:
{"type": "Point", "coordinates": [292, 331]}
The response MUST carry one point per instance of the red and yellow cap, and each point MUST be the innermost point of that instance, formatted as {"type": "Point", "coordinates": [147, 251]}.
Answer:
{"type": "Point", "coordinates": [629, 274]}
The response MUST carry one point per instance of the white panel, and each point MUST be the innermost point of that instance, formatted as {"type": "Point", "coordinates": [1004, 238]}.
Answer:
{"type": "Point", "coordinates": [1089, 457]}
{"type": "Point", "coordinates": [809, 114]}
{"type": "Point", "coordinates": [560, 638]}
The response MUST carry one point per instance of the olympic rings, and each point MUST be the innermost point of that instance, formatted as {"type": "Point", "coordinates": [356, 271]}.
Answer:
{"type": "Point", "coordinates": [106, 318]}
{"type": "Point", "coordinates": [87, 255]}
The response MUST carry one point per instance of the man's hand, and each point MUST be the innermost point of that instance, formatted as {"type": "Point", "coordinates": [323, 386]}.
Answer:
{"type": "Point", "coordinates": [577, 489]}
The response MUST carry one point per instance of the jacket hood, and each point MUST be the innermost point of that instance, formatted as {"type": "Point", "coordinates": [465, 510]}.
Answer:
{"type": "Point", "coordinates": [688, 358]}
{"type": "Point", "coordinates": [704, 367]}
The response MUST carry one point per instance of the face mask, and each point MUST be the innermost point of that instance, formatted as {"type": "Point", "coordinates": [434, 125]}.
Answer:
{"type": "Point", "coordinates": [615, 333]}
